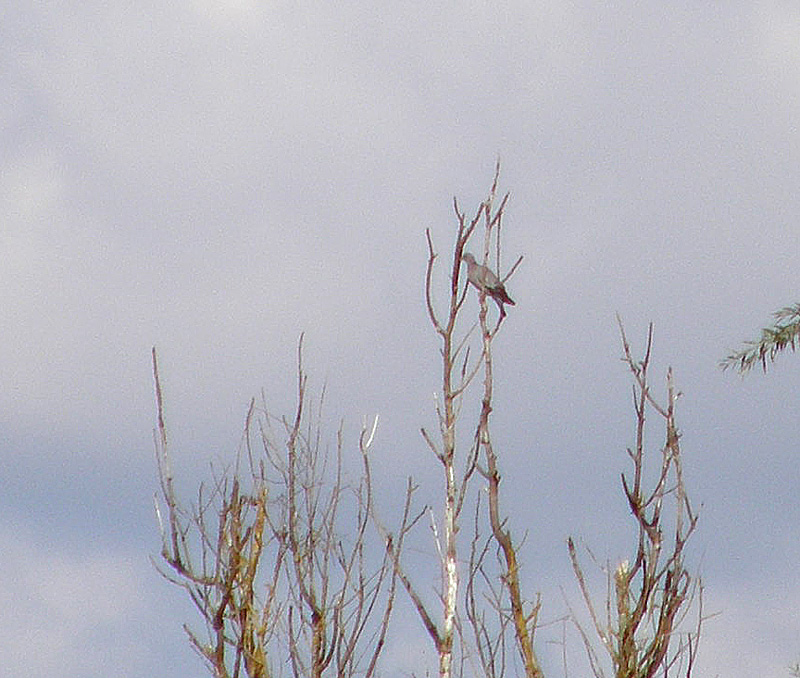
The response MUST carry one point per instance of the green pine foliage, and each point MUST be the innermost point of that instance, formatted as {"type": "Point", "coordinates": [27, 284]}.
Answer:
{"type": "Point", "coordinates": [783, 333]}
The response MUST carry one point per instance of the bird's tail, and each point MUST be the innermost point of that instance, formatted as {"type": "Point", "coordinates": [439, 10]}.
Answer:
{"type": "Point", "coordinates": [503, 296]}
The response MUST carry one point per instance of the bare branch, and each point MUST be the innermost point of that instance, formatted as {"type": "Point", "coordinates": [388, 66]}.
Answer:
{"type": "Point", "coordinates": [273, 572]}
{"type": "Point", "coordinates": [653, 594]}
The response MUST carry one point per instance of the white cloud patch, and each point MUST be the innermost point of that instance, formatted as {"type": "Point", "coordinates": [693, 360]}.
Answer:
{"type": "Point", "coordinates": [64, 609]}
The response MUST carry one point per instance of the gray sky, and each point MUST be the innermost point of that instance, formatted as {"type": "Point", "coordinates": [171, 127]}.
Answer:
{"type": "Point", "coordinates": [215, 177]}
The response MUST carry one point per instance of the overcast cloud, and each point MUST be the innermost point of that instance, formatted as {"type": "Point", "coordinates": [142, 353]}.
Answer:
{"type": "Point", "coordinates": [217, 177]}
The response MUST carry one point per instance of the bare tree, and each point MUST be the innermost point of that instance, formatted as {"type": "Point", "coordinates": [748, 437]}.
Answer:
{"type": "Point", "coordinates": [650, 595]}
{"type": "Point", "coordinates": [264, 557]}
{"type": "Point", "coordinates": [458, 373]}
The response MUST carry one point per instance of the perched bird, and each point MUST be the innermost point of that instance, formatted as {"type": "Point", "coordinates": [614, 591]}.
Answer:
{"type": "Point", "coordinates": [486, 281]}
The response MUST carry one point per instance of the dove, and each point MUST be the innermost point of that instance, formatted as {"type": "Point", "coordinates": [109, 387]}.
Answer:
{"type": "Point", "coordinates": [484, 280]}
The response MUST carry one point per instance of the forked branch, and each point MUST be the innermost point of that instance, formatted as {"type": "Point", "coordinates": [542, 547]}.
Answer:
{"type": "Point", "coordinates": [653, 591]}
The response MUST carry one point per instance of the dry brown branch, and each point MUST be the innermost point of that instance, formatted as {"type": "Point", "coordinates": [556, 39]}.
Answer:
{"type": "Point", "coordinates": [524, 622]}
{"type": "Point", "coordinates": [490, 643]}
{"type": "Point", "coordinates": [652, 594]}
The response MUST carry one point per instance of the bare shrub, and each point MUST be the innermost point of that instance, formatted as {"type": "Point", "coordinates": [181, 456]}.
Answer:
{"type": "Point", "coordinates": [264, 557]}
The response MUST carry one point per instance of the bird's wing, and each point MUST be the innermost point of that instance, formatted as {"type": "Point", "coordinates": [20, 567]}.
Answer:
{"type": "Point", "coordinates": [479, 275]}
{"type": "Point", "coordinates": [491, 280]}
{"type": "Point", "coordinates": [485, 280]}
